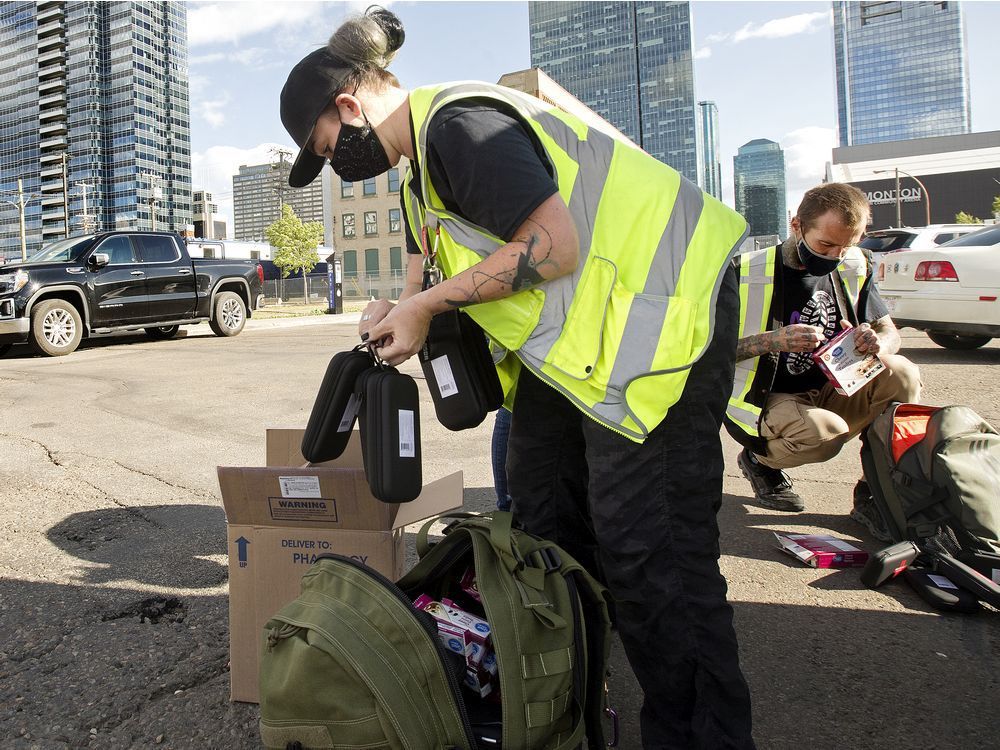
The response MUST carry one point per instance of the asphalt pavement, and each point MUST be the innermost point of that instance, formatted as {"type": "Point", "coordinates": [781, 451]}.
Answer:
{"type": "Point", "coordinates": [113, 595]}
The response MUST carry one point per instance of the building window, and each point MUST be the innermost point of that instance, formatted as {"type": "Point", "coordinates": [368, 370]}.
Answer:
{"type": "Point", "coordinates": [348, 224]}
{"type": "Point", "coordinates": [371, 223]}
{"type": "Point", "coordinates": [395, 259]}
{"type": "Point", "coordinates": [350, 263]}
{"type": "Point", "coordinates": [393, 221]}
{"type": "Point", "coordinates": [346, 189]}
{"type": "Point", "coordinates": [369, 188]}
{"type": "Point", "coordinates": [371, 262]}
{"type": "Point", "coordinates": [394, 180]}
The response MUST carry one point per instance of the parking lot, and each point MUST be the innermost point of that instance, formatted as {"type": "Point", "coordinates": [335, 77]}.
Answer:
{"type": "Point", "coordinates": [113, 597]}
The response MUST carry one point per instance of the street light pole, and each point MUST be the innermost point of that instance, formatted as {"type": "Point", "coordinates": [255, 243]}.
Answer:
{"type": "Point", "coordinates": [927, 196]}
{"type": "Point", "coordinates": [899, 205]}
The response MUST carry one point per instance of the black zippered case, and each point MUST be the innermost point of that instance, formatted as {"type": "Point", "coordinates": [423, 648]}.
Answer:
{"type": "Point", "coordinates": [390, 434]}
{"type": "Point", "coordinates": [336, 407]}
{"type": "Point", "coordinates": [459, 370]}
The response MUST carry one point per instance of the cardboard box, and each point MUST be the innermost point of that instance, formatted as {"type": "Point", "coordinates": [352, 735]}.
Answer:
{"type": "Point", "coordinates": [822, 550]}
{"type": "Point", "coordinates": [845, 366]}
{"type": "Point", "coordinates": [281, 516]}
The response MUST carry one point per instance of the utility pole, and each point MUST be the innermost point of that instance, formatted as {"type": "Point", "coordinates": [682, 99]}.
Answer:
{"type": "Point", "coordinates": [65, 194]}
{"type": "Point", "coordinates": [20, 205]}
{"type": "Point", "coordinates": [155, 193]}
{"type": "Point", "coordinates": [85, 217]}
{"type": "Point", "coordinates": [281, 153]}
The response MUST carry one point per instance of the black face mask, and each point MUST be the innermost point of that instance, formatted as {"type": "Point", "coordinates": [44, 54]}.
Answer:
{"type": "Point", "coordinates": [358, 154]}
{"type": "Point", "coordinates": [816, 264]}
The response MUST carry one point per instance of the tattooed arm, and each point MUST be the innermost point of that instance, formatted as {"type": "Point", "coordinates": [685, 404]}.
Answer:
{"type": "Point", "coordinates": [793, 338]}
{"type": "Point", "coordinates": [544, 247]}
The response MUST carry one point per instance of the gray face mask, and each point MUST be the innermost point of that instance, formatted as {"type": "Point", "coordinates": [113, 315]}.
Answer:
{"type": "Point", "coordinates": [816, 264]}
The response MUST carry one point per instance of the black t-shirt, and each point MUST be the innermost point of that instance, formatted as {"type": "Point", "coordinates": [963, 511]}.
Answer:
{"type": "Point", "coordinates": [486, 166]}
{"type": "Point", "coordinates": [811, 300]}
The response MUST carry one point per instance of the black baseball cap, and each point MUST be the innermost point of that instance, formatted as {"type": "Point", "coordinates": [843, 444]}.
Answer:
{"type": "Point", "coordinates": [311, 85]}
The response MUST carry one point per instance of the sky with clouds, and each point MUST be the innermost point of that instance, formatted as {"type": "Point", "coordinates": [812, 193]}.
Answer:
{"type": "Point", "coordinates": [767, 65]}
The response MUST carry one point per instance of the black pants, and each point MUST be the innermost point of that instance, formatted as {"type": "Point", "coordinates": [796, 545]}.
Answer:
{"type": "Point", "coordinates": [643, 518]}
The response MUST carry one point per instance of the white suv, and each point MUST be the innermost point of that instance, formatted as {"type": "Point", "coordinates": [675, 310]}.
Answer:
{"type": "Point", "coordinates": [881, 241]}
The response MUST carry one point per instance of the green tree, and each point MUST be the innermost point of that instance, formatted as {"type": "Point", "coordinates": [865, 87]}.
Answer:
{"type": "Point", "coordinates": [963, 218]}
{"type": "Point", "coordinates": [296, 244]}
{"type": "Point", "coordinates": [996, 205]}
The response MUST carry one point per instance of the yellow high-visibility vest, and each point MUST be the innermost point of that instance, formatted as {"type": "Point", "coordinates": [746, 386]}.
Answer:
{"type": "Point", "coordinates": [757, 271]}
{"type": "Point", "coordinates": [617, 336]}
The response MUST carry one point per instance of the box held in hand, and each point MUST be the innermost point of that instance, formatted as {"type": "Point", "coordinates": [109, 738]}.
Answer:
{"type": "Point", "coordinates": [281, 516]}
{"type": "Point", "coordinates": [844, 366]}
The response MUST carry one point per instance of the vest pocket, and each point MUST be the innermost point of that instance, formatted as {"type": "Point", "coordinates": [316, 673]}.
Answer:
{"type": "Point", "coordinates": [578, 348]}
{"type": "Point", "coordinates": [509, 321]}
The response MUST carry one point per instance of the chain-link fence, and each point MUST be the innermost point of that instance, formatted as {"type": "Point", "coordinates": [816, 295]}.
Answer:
{"type": "Point", "coordinates": [388, 285]}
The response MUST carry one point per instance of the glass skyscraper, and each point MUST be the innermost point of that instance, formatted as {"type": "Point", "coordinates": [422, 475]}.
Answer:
{"type": "Point", "coordinates": [103, 87]}
{"type": "Point", "coordinates": [709, 166]}
{"type": "Point", "coordinates": [631, 63]}
{"type": "Point", "coordinates": [902, 71]}
{"type": "Point", "coordinates": [759, 183]}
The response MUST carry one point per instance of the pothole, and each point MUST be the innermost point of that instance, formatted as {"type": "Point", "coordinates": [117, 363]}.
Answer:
{"type": "Point", "coordinates": [169, 609]}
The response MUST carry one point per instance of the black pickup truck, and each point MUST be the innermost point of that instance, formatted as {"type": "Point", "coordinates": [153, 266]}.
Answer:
{"type": "Point", "coordinates": [120, 281]}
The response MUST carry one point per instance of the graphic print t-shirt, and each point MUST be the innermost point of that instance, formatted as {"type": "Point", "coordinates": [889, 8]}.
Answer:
{"type": "Point", "coordinates": [811, 300]}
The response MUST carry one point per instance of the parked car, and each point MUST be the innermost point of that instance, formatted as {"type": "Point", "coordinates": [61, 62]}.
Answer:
{"type": "Point", "coordinates": [121, 281]}
{"type": "Point", "coordinates": [881, 241]}
{"type": "Point", "coordinates": [950, 291]}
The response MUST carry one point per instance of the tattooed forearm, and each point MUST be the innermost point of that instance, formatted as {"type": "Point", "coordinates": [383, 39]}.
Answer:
{"type": "Point", "coordinates": [525, 259]}
{"type": "Point", "coordinates": [755, 346]}
{"type": "Point", "coordinates": [888, 334]}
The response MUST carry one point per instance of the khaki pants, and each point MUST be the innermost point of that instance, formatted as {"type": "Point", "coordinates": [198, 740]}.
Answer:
{"type": "Point", "coordinates": [808, 428]}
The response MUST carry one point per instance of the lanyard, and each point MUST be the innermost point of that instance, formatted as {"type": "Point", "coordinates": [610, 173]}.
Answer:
{"type": "Point", "coordinates": [432, 274]}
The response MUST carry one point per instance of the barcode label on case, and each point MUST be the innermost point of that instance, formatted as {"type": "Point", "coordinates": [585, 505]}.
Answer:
{"type": "Point", "coordinates": [444, 376]}
{"type": "Point", "coordinates": [407, 442]}
{"type": "Point", "coordinates": [349, 413]}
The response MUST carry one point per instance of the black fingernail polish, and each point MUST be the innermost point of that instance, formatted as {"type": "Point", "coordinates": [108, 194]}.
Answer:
{"type": "Point", "coordinates": [364, 336]}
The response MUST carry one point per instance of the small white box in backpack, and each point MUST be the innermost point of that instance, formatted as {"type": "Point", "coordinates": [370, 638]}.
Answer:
{"type": "Point", "coordinates": [844, 366]}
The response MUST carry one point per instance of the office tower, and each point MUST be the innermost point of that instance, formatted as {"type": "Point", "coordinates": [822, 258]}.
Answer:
{"type": "Point", "coordinates": [902, 71]}
{"type": "Point", "coordinates": [207, 224]}
{"type": "Point", "coordinates": [759, 182]}
{"type": "Point", "coordinates": [103, 88]}
{"type": "Point", "coordinates": [258, 193]}
{"type": "Point", "coordinates": [709, 166]}
{"type": "Point", "coordinates": [631, 63]}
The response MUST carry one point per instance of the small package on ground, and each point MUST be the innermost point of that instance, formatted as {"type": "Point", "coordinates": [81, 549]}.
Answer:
{"type": "Point", "coordinates": [848, 369]}
{"type": "Point", "coordinates": [822, 550]}
{"type": "Point", "coordinates": [283, 516]}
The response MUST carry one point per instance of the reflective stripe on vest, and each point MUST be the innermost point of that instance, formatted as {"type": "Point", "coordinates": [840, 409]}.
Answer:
{"type": "Point", "coordinates": [619, 334]}
{"type": "Point", "coordinates": [756, 291]}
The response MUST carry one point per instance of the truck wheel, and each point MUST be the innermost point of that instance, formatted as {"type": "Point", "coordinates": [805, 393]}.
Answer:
{"type": "Point", "coordinates": [229, 314]}
{"type": "Point", "coordinates": [4, 348]}
{"type": "Point", "coordinates": [56, 328]}
{"type": "Point", "coordinates": [162, 332]}
{"type": "Point", "coordinates": [954, 341]}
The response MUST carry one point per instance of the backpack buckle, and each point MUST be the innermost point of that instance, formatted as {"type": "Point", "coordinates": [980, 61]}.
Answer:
{"type": "Point", "coordinates": [546, 558]}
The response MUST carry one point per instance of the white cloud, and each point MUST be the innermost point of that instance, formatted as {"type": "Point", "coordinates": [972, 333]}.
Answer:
{"type": "Point", "coordinates": [219, 23]}
{"type": "Point", "coordinates": [702, 53]}
{"type": "Point", "coordinates": [807, 150]}
{"type": "Point", "coordinates": [777, 28]}
{"type": "Point", "coordinates": [251, 57]}
{"type": "Point", "coordinates": [213, 170]}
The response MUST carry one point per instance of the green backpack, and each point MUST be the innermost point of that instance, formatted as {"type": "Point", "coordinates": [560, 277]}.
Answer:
{"type": "Point", "coordinates": [352, 663]}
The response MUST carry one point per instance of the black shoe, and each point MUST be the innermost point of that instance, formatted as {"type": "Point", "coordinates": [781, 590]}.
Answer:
{"type": "Point", "coordinates": [771, 487]}
{"type": "Point", "coordinates": [866, 512]}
